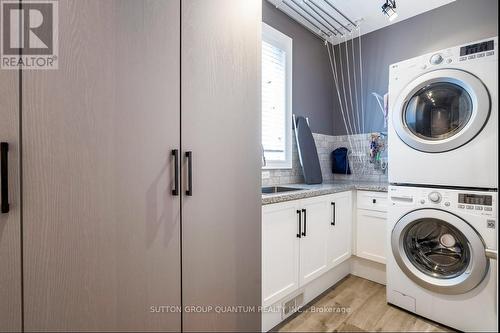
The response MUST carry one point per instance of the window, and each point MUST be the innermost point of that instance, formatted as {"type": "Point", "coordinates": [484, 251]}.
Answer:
{"type": "Point", "coordinates": [276, 98]}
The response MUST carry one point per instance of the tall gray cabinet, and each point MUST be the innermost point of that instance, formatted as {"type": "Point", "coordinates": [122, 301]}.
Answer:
{"type": "Point", "coordinates": [10, 213]}
{"type": "Point", "coordinates": [220, 96]}
{"type": "Point", "coordinates": [134, 171]}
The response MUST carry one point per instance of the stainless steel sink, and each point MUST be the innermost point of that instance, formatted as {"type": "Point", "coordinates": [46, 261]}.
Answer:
{"type": "Point", "coordinates": [278, 189]}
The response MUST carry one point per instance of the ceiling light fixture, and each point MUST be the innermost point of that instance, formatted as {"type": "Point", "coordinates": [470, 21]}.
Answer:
{"type": "Point", "coordinates": [389, 9]}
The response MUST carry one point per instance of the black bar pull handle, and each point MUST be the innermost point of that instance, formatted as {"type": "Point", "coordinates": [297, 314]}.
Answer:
{"type": "Point", "coordinates": [189, 156]}
{"type": "Point", "coordinates": [305, 222]}
{"type": "Point", "coordinates": [333, 214]}
{"type": "Point", "coordinates": [175, 154]}
{"type": "Point", "coordinates": [4, 176]}
{"type": "Point", "coordinates": [300, 224]}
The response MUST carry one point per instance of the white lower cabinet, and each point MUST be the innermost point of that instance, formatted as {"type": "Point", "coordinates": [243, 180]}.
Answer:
{"type": "Point", "coordinates": [280, 251]}
{"type": "Point", "coordinates": [339, 235]}
{"type": "Point", "coordinates": [313, 243]}
{"type": "Point", "coordinates": [371, 235]}
{"type": "Point", "coordinates": [371, 221]}
{"type": "Point", "coordinates": [301, 240]}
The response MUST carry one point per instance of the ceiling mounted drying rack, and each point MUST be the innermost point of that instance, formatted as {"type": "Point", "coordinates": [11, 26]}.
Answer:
{"type": "Point", "coordinates": [338, 30]}
{"type": "Point", "coordinates": [321, 17]}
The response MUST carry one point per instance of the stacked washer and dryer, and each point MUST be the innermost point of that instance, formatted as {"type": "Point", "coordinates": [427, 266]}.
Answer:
{"type": "Point", "coordinates": [443, 158]}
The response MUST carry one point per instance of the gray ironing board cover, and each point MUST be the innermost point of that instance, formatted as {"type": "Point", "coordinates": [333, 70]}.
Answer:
{"type": "Point", "coordinates": [308, 155]}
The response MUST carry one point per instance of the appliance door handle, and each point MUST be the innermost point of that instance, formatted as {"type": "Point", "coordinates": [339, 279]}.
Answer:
{"type": "Point", "coordinates": [491, 254]}
{"type": "Point", "coordinates": [175, 154]}
{"type": "Point", "coordinates": [4, 177]}
{"type": "Point", "coordinates": [333, 214]}
{"type": "Point", "coordinates": [300, 224]}
{"type": "Point", "coordinates": [189, 190]}
{"type": "Point", "coordinates": [305, 222]}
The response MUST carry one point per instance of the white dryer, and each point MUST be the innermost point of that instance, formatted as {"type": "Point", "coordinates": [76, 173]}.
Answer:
{"type": "Point", "coordinates": [443, 117]}
{"type": "Point", "coordinates": [441, 255]}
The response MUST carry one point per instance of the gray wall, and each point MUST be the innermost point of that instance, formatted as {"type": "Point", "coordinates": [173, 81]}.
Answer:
{"type": "Point", "coordinates": [456, 23]}
{"type": "Point", "coordinates": [312, 80]}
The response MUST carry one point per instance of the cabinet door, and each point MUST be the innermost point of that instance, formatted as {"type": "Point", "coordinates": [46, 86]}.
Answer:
{"type": "Point", "coordinates": [371, 235]}
{"type": "Point", "coordinates": [280, 251]}
{"type": "Point", "coordinates": [339, 228]}
{"type": "Point", "coordinates": [313, 244]}
{"type": "Point", "coordinates": [10, 223]}
{"type": "Point", "coordinates": [100, 226]}
{"type": "Point", "coordinates": [221, 218]}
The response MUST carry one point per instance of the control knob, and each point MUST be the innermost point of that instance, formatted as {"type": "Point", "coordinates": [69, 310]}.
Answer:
{"type": "Point", "coordinates": [436, 59]}
{"type": "Point", "coordinates": [435, 197]}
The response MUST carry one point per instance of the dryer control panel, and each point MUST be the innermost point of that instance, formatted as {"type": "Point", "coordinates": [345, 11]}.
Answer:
{"type": "Point", "coordinates": [479, 51]}
{"type": "Point", "coordinates": [486, 46]}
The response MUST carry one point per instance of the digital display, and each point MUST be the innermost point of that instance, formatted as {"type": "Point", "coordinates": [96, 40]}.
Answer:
{"type": "Point", "coordinates": [477, 48]}
{"type": "Point", "coordinates": [475, 199]}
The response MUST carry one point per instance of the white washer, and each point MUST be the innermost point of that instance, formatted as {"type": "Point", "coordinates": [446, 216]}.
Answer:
{"type": "Point", "coordinates": [443, 117]}
{"type": "Point", "coordinates": [441, 255]}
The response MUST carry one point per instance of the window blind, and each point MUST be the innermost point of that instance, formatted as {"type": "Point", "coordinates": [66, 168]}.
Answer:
{"type": "Point", "coordinates": [273, 102]}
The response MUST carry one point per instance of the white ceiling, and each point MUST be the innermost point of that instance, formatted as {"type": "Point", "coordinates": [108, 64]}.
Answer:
{"type": "Point", "coordinates": [367, 13]}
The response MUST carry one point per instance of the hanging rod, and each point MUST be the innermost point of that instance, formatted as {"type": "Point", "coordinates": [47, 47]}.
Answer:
{"type": "Point", "coordinates": [319, 14]}
{"type": "Point", "coordinates": [318, 21]}
{"type": "Point", "coordinates": [330, 16]}
{"type": "Point", "coordinates": [305, 18]}
{"type": "Point", "coordinates": [338, 11]}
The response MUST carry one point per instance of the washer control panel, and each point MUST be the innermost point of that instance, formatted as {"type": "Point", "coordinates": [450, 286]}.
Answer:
{"type": "Point", "coordinates": [475, 201]}
{"type": "Point", "coordinates": [470, 202]}
{"type": "Point", "coordinates": [435, 198]}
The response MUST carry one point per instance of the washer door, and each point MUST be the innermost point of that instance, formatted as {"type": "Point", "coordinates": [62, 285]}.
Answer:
{"type": "Point", "coordinates": [441, 110]}
{"type": "Point", "coordinates": [439, 251]}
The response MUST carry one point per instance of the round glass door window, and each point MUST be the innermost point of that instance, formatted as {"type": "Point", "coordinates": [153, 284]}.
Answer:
{"type": "Point", "coordinates": [441, 110]}
{"type": "Point", "coordinates": [438, 111]}
{"type": "Point", "coordinates": [436, 248]}
{"type": "Point", "coordinates": [439, 251]}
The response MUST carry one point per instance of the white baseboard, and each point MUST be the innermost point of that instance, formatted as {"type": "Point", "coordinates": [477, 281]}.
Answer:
{"type": "Point", "coordinates": [368, 269]}
{"type": "Point", "coordinates": [363, 268]}
{"type": "Point", "coordinates": [309, 292]}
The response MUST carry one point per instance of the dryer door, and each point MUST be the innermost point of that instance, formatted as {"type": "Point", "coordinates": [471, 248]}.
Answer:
{"type": "Point", "coordinates": [439, 251]}
{"type": "Point", "coordinates": [441, 110]}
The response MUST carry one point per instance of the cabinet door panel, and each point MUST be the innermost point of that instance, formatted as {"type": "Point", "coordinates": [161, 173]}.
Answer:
{"type": "Point", "coordinates": [371, 235]}
{"type": "Point", "coordinates": [280, 251]}
{"type": "Point", "coordinates": [313, 246]}
{"type": "Point", "coordinates": [101, 229]}
{"type": "Point", "coordinates": [340, 234]}
{"type": "Point", "coordinates": [10, 223]}
{"type": "Point", "coordinates": [221, 221]}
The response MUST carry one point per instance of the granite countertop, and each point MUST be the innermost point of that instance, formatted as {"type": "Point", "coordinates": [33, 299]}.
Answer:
{"type": "Point", "coordinates": [307, 191]}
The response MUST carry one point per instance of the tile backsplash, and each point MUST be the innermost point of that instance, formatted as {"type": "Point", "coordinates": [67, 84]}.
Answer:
{"type": "Point", "coordinates": [359, 160]}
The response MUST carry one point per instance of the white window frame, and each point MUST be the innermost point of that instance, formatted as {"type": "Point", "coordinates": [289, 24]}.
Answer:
{"type": "Point", "coordinates": [284, 42]}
